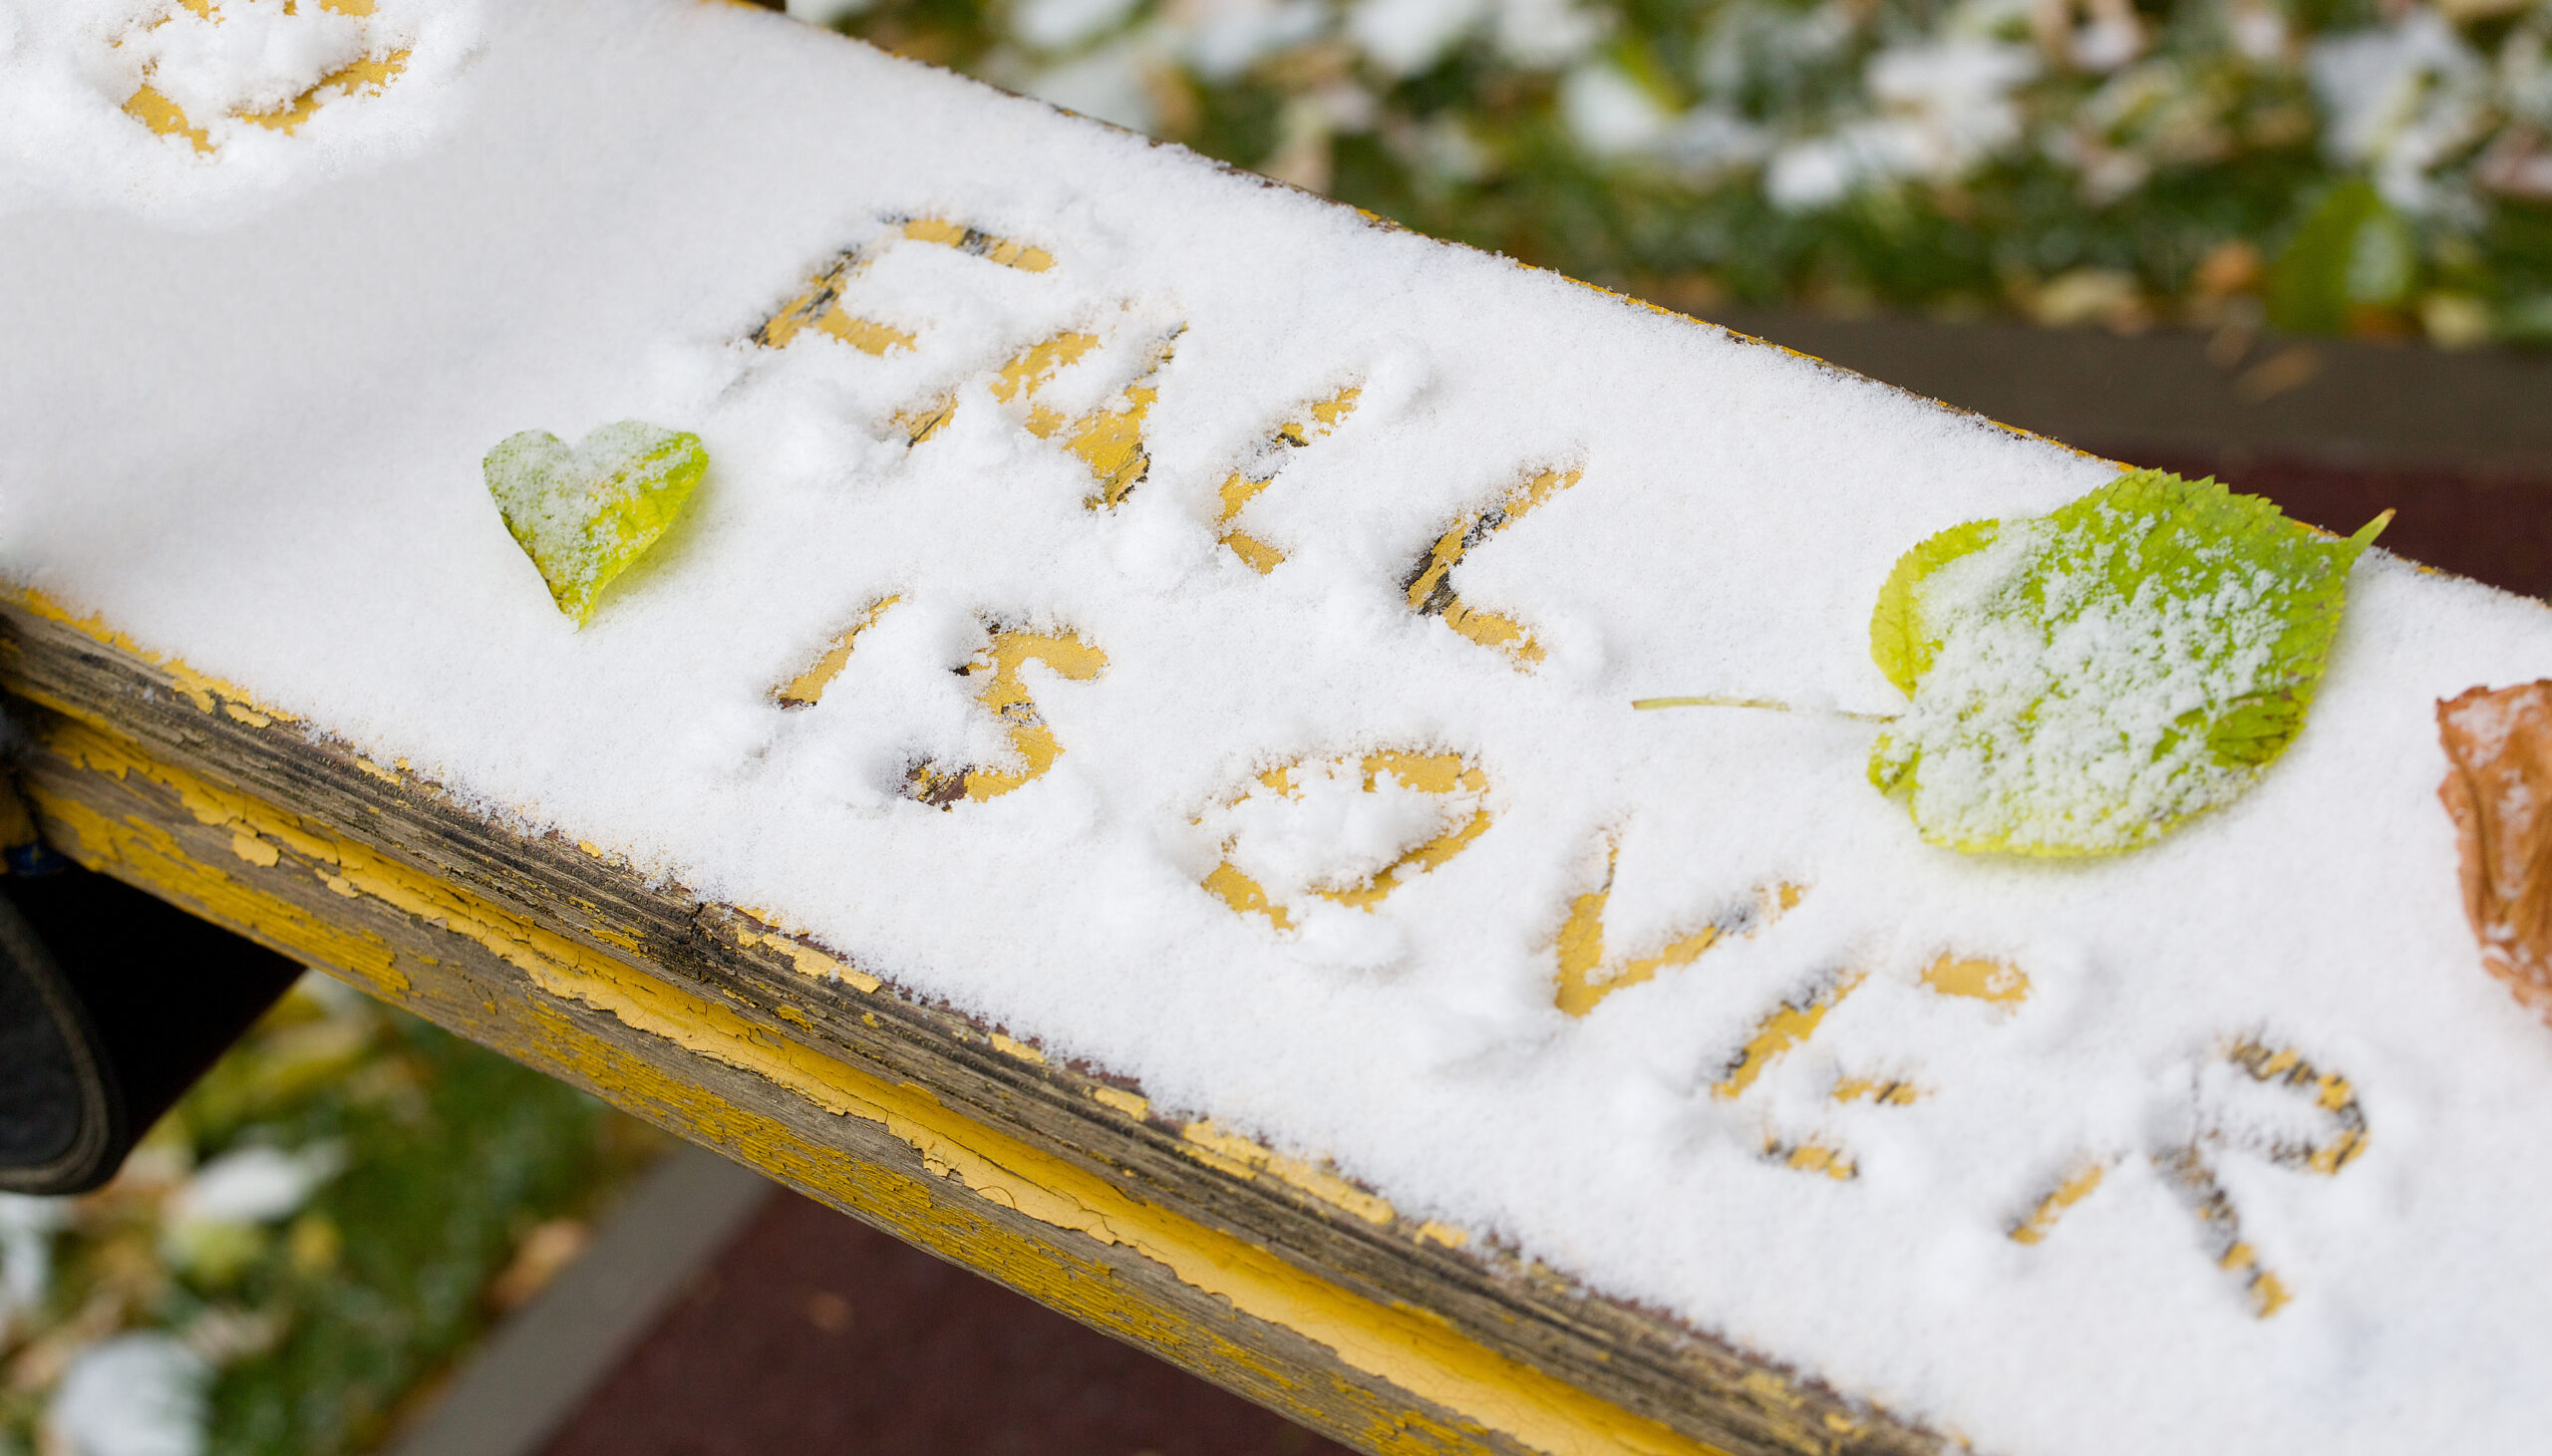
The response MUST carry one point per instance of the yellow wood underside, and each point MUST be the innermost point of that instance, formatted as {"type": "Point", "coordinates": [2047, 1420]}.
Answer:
{"type": "Point", "coordinates": [1411, 1349]}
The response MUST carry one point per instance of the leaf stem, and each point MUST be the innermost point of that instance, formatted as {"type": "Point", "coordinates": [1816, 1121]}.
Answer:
{"type": "Point", "coordinates": [1772, 705]}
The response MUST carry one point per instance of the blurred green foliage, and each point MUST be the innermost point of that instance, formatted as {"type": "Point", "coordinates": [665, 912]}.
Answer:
{"type": "Point", "coordinates": [319, 1221]}
{"type": "Point", "coordinates": [2119, 162]}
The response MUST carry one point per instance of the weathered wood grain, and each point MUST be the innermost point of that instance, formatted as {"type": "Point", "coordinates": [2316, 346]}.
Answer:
{"type": "Point", "coordinates": [1275, 1277]}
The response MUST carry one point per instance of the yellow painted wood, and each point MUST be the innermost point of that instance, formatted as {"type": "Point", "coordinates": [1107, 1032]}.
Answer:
{"type": "Point", "coordinates": [1433, 773]}
{"type": "Point", "coordinates": [1245, 484]}
{"type": "Point", "coordinates": [2076, 1186]}
{"type": "Point", "coordinates": [1026, 257]}
{"type": "Point", "coordinates": [364, 76]}
{"type": "Point", "coordinates": [1412, 1351]}
{"type": "Point", "coordinates": [808, 688]}
{"type": "Point", "coordinates": [1005, 695]}
{"type": "Point", "coordinates": [1403, 1377]}
{"type": "Point", "coordinates": [1108, 440]}
{"type": "Point", "coordinates": [1585, 976]}
{"type": "Point", "coordinates": [819, 305]}
{"type": "Point", "coordinates": [1788, 1026]}
{"type": "Point", "coordinates": [1430, 588]}
{"type": "Point", "coordinates": [1987, 981]}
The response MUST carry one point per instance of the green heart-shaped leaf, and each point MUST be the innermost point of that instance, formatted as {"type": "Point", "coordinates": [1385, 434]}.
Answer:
{"type": "Point", "coordinates": [2084, 681]}
{"type": "Point", "coordinates": [583, 515]}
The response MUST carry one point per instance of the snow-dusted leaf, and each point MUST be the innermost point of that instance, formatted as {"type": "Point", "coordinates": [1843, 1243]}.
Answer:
{"type": "Point", "coordinates": [2084, 681]}
{"type": "Point", "coordinates": [1897, 642]}
{"type": "Point", "coordinates": [584, 515]}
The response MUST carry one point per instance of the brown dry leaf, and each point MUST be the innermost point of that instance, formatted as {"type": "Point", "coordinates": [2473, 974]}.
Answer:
{"type": "Point", "coordinates": [546, 1251]}
{"type": "Point", "coordinates": [2498, 788]}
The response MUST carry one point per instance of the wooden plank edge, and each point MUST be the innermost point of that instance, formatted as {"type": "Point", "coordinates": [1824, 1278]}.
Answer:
{"type": "Point", "coordinates": [1642, 1364]}
{"type": "Point", "coordinates": [1388, 1379]}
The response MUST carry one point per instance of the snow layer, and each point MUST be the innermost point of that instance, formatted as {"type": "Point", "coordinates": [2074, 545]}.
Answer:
{"type": "Point", "coordinates": [253, 436]}
{"type": "Point", "coordinates": [284, 95]}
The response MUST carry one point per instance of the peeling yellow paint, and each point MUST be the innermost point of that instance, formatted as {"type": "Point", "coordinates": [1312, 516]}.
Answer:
{"type": "Point", "coordinates": [206, 693]}
{"type": "Point", "coordinates": [1111, 440]}
{"type": "Point", "coordinates": [866, 335]}
{"type": "Point", "coordinates": [1430, 587]}
{"type": "Point", "coordinates": [1011, 1047]}
{"type": "Point", "coordinates": [2268, 1292]}
{"type": "Point", "coordinates": [1244, 895]}
{"type": "Point", "coordinates": [923, 421]}
{"type": "Point", "coordinates": [806, 959]}
{"type": "Point", "coordinates": [2188, 1170]}
{"type": "Point", "coordinates": [1438, 773]}
{"type": "Point", "coordinates": [1886, 1091]}
{"type": "Point", "coordinates": [1790, 1025]}
{"type": "Point", "coordinates": [1245, 1158]}
{"type": "Point", "coordinates": [2073, 1189]}
{"type": "Point", "coordinates": [1445, 1234]}
{"type": "Point", "coordinates": [2329, 1093]}
{"type": "Point", "coordinates": [144, 851]}
{"type": "Point", "coordinates": [820, 307]}
{"type": "Point", "coordinates": [808, 688]}
{"type": "Point", "coordinates": [1030, 369]}
{"type": "Point", "coordinates": [1987, 981]}
{"type": "Point", "coordinates": [254, 850]}
{"type": "Point", "coordinates": [164, 117]}
{"type": "Point", "coordinates": [369, 73]}
{"type": "Point", "coordinates": [1812, 1156]}
{"type": "Point", "coordinates": [1413, 1350]}
{"type": "Point", "coordinates": [373, 72]}
{"type": "Point", "coordinates": [1023, 256]}
{"type": "Point", "coordinates": [1005, 695]}
{"type": "Point", "coordinates": [1132, 1104]}
{"type": "Point", "coordinates": [1320, 418]}
{"type": "Point", "coordinates": [1584, 980]}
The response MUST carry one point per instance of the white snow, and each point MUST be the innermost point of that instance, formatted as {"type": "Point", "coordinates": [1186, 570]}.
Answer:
{"type": "Point", "coordinates": [255, 1184]}
{"type": "Point", "coordinates": [2402, 100]}
{"type": "Point", "coordinates": [1609, 112]}
{"type": "Point", "coordinates": [1407, 36]}
{"type": "Point", "coordinates": [242, 413]}
{"type": "Point", "coordinates": [69, 71]}
{"type": "Point", "coordinates": [133, 1395]}
{"type": "Point", "coordinates": [27, 1226]}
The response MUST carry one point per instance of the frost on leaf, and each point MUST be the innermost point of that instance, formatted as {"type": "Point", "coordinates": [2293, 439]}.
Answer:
{"type": "Point", "coordinates": [2498, 790]}
{"type": "Point", "coordinates": [2084, 681]}
{"type": "Point", "coordinates": [583, 515]}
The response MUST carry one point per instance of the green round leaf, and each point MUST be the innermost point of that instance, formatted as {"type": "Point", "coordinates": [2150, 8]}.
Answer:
{"type": "Point", "coordinates": [2084, 681]}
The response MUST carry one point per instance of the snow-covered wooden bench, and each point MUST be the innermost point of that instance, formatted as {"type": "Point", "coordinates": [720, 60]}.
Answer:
{"type": "Point", "coordinates": [1269, 1275]}
{"type": "Point", "coordinates": [1125, 775]}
